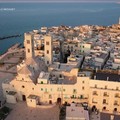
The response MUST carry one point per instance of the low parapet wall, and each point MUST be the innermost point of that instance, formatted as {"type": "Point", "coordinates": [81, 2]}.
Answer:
{"type": "Point", "coordinates": [46, 106]}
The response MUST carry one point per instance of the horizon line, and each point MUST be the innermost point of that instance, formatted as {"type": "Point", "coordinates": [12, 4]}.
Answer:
{"type": "Point", "coordinates": [60, 1]}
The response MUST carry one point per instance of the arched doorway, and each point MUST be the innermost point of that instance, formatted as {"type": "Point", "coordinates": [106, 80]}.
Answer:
{"type": "Point", "coordinates": [59, 101]}
{"type": "Point", "coordinates": [104, 108]}
{"type": "Point", "coordinates": [115, 109]}
{"type": "Point", "coordinates": [94, 109]}
{"type": "Point", "coordinates": [23, 97]}
{"type": "Point", "coordinates": [50, 101]}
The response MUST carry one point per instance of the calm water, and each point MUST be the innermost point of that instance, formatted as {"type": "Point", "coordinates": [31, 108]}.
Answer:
{"type": "Point", "coordinates": [29, 16]}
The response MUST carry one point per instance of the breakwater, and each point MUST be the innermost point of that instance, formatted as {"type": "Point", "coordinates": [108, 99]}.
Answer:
{"type": "Point", "coordinates": [11, 36]}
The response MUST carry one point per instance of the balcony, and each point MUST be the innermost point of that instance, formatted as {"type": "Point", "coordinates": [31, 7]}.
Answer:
{"type": "Point", "coordinates": [94, 102]}
{"type": "Point", "coordinates": [106, 95]}
{"type": "Point", "coordinates": [105, 103]}
{"type": "Point", "coordinates": [95, 94]}
{"type": "Point", "coordinates": [78, 99]}
{"type": "Point", "coordinates": [117, 96]}
{"type": "Point", "coordinates": [116, 104]}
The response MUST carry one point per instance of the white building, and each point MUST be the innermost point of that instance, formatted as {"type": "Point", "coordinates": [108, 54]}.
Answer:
{"type": "Point", "coordinates": [35, 84]}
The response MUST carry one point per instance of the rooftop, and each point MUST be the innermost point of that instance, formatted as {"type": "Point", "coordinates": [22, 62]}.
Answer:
{"type": "Point", "coordinates": [73, 112]}
{"type": "Point", "coordinates": [106, 116]}
{"type": "Point", "coordinates": [107, 76]}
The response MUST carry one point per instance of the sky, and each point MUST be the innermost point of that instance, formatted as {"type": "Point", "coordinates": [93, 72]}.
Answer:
{"type": "Point", "coordinates": [59, 0]}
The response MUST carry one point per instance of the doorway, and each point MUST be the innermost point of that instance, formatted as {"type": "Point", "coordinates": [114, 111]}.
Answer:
{"type": "Point", "coordinates": [23, 97]}
{"type": "Point", "coordinates": [58, 100]}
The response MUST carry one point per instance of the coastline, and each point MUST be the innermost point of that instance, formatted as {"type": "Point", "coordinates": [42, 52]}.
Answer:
{"type": "Point", "coordinates": [14, 46]}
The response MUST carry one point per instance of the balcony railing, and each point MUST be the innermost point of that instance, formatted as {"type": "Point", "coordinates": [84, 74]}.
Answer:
{"type": "Point", "coordinates": [105, 103]}
{"type": "Point", "coordinates": [117, 96]}
{"type": "Point", "coordinates": [106, 95]}
{"type": "Point", "coordinates": [78, 97]}
{"type": "Point", "coordinates": [116, 104]}
{"type": "Point", "coordinates": [95, 94]}
{"type": "Point", "coordinates": [94, 102]}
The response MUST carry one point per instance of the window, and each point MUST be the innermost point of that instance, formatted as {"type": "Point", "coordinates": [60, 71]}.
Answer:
{"type": "Point", "coordinates": [50, 96]}
{"type": "Point", "coordinates": [41, 89]}
{"type": "Point", "coordinates": [104, 101]}
{"type": "Point", "coordinates": [81, 96]}
{"type": "Point", "coordinates": [83, 82]}
{"type": "Point", "coordinates": [41, 82]}
{"type": "Point", "coordinates": [60, 76]}
{"type": "Point", "coordinates": [117, 88]}
{"type": "Point", "coordinates": [74, 91]}
{"type": "Point", "coordinates": [115, 109]}
{"type": "Point", "coordinates": [76, 45]}
{"type": "Point", "coordinates": [95, 93]}
{"type": "Point", "coordinates": [83, 46]}
{"type": "Point", "coordinates": [47, 43]}
{"type": "Point", "coordinates": [104, 108]}
{"type": "Point", "coordinates": [47, 62]}
{"type": "Point", "coordinates": [23, 86]}
{"type": "Point", "coordinates": [59, 89]}
{"type": "Point", "coordinates": [32, 88]}
{"type": "Point", "coordinates": [105, 94]}
{"type": "Point", "coordinates": [115, 102]}
{"type": "Point", "coordinates": [28, 50]}
{"type": "Point", "coordinates": [105, 86]}
{"type": "Point", "coordinates": [64, 90]}
{"type": "Point", "coordinates": [28, 41]}
{"type": "Point", "coordinates": [117, 95]}
{"type": "Point", "coordinates": [95, 86]}
{"type": "Point", "coordinates": [47, 51]}
{"type": "Point", "coordinates": [83, 88]}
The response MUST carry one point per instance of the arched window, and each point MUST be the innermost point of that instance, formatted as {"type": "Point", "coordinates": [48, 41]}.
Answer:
{"type": "Point", "coordinates": [104, 101]}
{"type": "Point", "coordinates": [104, 108]}
{"type": "Point", "coordinates": [115, 109]}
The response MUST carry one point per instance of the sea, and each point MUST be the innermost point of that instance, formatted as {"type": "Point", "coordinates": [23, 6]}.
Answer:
{"type": "Point", "coordinates": [17, 18]}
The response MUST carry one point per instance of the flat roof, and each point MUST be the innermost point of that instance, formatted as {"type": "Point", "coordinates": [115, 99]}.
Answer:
{"type": "Point", "coordinates": [102, 55]}
{"type": "Point", "coordinates": [107, 116]}
{"type": "Point", "coordinates": [107, 76]}
{"type": "Point", "coordinates": [76, 112]}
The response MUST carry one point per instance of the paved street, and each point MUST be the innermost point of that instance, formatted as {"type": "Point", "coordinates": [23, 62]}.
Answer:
{"type": "Point", "coordinates": [22, 112]}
